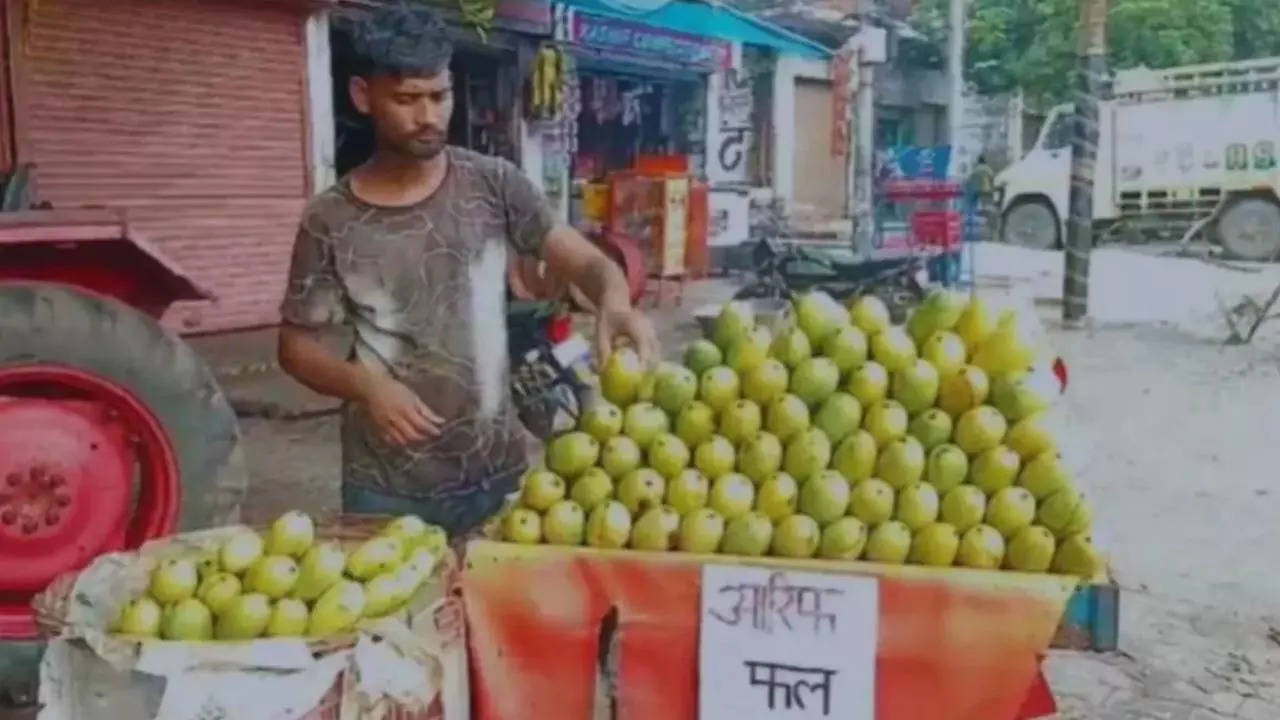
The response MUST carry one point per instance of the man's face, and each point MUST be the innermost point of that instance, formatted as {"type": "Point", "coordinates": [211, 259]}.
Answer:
{"type": "Point", "coordinates": [410, 115]}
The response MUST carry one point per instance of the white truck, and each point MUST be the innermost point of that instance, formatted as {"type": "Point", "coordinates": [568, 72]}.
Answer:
{"type": "Point", "coordinates": [1193, 144]}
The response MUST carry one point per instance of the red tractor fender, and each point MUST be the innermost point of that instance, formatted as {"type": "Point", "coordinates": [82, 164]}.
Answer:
{"type": "Point", "coordinates": [94, 249]}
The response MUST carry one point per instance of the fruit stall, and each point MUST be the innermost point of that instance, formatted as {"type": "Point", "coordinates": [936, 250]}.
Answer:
{"type": "Point", "coordinates": [815, 513]}
{"type": "Point", "coordinates": [811, 515]}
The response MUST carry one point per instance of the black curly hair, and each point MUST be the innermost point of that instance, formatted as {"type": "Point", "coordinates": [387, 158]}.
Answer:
{"type": "Point", "coordinates": [399, 39]}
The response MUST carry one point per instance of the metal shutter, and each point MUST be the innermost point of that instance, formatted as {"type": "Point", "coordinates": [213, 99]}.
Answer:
{"type": "Point", "coordinates": [190, 114]}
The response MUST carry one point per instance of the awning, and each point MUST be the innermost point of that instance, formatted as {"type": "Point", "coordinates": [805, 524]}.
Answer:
{"type": "Point", "coordinates": [712, 20]}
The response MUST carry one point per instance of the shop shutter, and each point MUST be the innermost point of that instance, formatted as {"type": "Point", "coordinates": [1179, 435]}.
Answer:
{"type": "Point", "coordinates": [190, 115]}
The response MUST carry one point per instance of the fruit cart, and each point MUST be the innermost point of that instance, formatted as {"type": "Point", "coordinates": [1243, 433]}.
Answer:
{"type": "Point", "coordinates": [563, 632]}
{"type": "Point", "coordinates": [819, 513]}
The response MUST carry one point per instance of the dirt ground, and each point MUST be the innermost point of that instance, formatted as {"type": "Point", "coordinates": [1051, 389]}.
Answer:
{"type": "Point", "coordinates": [1174, 435]}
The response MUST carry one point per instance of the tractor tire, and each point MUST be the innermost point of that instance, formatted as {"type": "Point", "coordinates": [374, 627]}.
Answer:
{"type": "Point", "coordinates": [48, 323]}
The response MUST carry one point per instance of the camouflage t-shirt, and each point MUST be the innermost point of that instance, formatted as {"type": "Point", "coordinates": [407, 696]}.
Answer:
{"type": "Point", "coordinates": [424, 289]}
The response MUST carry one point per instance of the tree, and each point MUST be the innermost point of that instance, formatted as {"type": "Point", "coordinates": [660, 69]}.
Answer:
{"type": "Point", "coordinates": [1031, 43]}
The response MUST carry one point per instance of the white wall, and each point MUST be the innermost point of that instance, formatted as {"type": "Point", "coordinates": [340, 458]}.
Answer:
{"type": "Point", "coordinates": [321, 143]}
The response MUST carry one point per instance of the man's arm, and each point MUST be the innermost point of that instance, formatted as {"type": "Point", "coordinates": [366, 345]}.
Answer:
{"type": "Point", "coordinates": [571, 256]}
{"type": "Point", "coordinates": [313, 299]}
{"type": "Point", "coordinates": [399, 414]}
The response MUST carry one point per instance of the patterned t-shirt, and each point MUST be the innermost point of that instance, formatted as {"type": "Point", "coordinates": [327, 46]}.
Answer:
{"type": "Point", "coordinates": [424, 289]}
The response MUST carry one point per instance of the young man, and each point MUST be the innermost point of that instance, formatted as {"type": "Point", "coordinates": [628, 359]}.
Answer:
{"type": "Point", "coordinates": [410, 249]}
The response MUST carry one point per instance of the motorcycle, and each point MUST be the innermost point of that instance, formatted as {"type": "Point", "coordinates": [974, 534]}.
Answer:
{"type": "Point", "coordinates": [550, 366]}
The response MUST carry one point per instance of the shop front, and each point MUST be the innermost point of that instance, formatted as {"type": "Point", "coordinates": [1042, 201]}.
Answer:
{"type": "Point", "coordinates": [660, 93]}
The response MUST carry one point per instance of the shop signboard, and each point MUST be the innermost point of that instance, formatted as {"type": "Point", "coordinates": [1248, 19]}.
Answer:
{"type": "Point", "coordinates": [786, 644]}
{"type": "Point", "coordinates": [732, 137]}
{"type": "Point", "coordinates": [646, 42]}
{"type": "Point", "coordinates": [525, 16]}
{"type": "Point", "coordinates": [637, 7]}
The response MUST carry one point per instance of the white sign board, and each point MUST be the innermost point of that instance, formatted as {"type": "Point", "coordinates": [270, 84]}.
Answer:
{"type": "Point", "coordinates": [780, 644]}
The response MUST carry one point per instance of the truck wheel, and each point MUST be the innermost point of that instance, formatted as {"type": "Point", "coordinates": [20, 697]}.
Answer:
{"type": "Point", "coordinates": [1032, 223]}
{"type": "Point", "coordinates": [1249, 228]}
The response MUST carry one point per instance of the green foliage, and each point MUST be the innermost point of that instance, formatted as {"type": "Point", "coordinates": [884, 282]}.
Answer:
{"type": "Point", "coordinates": [1032, 43]}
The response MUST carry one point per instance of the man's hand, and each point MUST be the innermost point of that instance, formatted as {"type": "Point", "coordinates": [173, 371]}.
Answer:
{"type": "Point", "coordinates": [626, 322]}
{"type": "Point", "coordinates": [399, 415]}
{"type": "Point", "coordinates": [571, 256]}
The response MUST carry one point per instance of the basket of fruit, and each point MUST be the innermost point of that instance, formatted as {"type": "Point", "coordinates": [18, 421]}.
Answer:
{"type": "Point", "coordinates": [298, 619]}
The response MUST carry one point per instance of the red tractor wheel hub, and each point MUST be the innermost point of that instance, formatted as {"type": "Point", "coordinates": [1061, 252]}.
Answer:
{"type": "Point", "coordinates": [85, 469]}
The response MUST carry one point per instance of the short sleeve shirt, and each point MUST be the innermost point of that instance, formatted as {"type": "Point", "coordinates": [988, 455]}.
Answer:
{"type": "Point", "coordinates": [424, 289]}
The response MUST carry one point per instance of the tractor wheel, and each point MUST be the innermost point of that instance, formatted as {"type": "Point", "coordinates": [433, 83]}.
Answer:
{"type": "Point", "coordinates": [112, 432]}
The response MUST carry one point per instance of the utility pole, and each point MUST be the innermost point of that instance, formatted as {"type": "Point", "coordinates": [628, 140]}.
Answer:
{"type": "Point", "coordinates": [1090, 78]}
{"type": "Point", "coordinates": [955, 75]}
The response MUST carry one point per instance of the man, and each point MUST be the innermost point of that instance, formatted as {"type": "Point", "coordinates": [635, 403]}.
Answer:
{"type": "Point", "coordinates": [410, 249]}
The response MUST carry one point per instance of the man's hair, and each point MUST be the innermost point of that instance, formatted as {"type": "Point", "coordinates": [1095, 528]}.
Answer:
{"type": "Point", "coordinates": [400, 40]}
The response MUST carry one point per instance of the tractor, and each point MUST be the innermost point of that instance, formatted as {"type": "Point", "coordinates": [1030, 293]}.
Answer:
{"type": "Point", "coordinates": [113, 431]}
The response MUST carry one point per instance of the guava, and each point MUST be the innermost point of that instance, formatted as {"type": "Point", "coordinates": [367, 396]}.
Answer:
{"type": "Point", "coordinates": [843, 539]}
{"type": "Point", "coordinates": [963, 507]}
{"type": "Point", "coordinates": [642, 422]}
{"type": "Point", "coordinates": [935, 545]}
{"type": "Point", "coordinates": [980, 429]}
{"type": "Point", "coordinates": [657, 530]}
{"type": "Point", "coordinates": [748, 353]}
{"type": "Point", "coordinates": [946, 467]}
{"type": "Point", "coordinates": [995, 469]}
{"type": "Point", "coordinates": [570, 454]}
{"type": "Point", "coordinates": [796, 536]}
{"type": "Point", "coordinates": [838, 416]}
{"type": "Point", "coordinates": [869, 314]}
{"type": "Point", "coordinates": [274, 575]}
{"type": "Point", "coordinates": [719, 387]}
{"type": "Point", "coordinates": [872, 501]}
{"type": "Point", "coordinates": [869, 383]}
{"type": "Point", "coordinates": [740, 421]}
{"type": "Point", "coordinates": [807, 454]}
{"type": "Point", "coordinates": [814, 380]}
{"type": "Point", "coordinates": [695, 423]}
{"type": "Point", "coordinates": [244, 618]}
{"type": "Point", "coordinates": [962, 390]}
{"type": "Point", "coordinates": [889, 542]}
{"type": "Point", "coordinates": [609, 525]}
{"type": "Point", "coordinates": [767, 382]}
{"type": "Point", "coordinates": [916, 386]}
{"type": "Point", "coordinates": [748, 534]}
{"type": "Point", "coordinates": [887, 421]}
{"type": "Point", "coordinates": [621, 377]}
{"type": "Point", "coordinates": [981, 546]}
{"type": "Point", "coordinates": [668, 455]}
{"type": "Point", "coordinates": [1077, 556]}
{"type": "Point", "coordinates": [591, 488]}
{"type": "Point", "coordinates": [931, 427]}
{"type": "Point", "coordinates": [791, 347]}
{"type": "Point", "coordinates": [1031, 549]}
{"type": "Point", "coordinates": [735, 320]}
{"type": "Point", "coordinates": [602, 420]}
{"type": "Point", "coordinates": [945, 351]}
{"type": "Point", "coordinates": [778, 496]}
{"type": "Point", "coordinates": [732, 495]}
{"type": "Point", "coordinates": [825, 496]}
{"type": "Point", "coordinates": [619, 456]}
{"type": "Point", "coordinates": [702, 355]}
{"type": "Point", "coordinates": [289, 618]}
{"type": "Point", "coordinates": [855, 456]}
{"type": "Point", "coordinates": [918, 506]}
{"type": "Point", "coordinates": [1011, 510]}
{"type": "Point", "coordinates": [291, 534]}
{"type": "Point", "coordinates": [893, 348]}
{"type": "Point", "coordinates": [688, 491]}
{"type": "Point", "coordinates": [701, 531]}
{"type": "Point", "coordinates": [847, 348]}
{"type": "Point", "coordinates": [901, 462]}
{"type": "Point", "coordinates": [786, 417]}
{"type": "Point", "coordinates": [565, 523]}
{"type": "Point", "coordinates": [760, 456]}
{"type": "Point", "coordinates": [1044, 475]}
{"type": "Point", "coordinates": [542, 489]}
{"type": "Point", "coordinates": [715, 457]}
{"type": "Point", "coordinates": [641, 489]}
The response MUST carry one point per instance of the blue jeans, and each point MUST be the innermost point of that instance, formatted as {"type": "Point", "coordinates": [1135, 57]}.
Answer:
{"type": "Point", "coordinates": [459, 513]}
